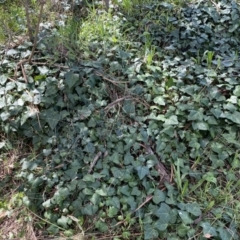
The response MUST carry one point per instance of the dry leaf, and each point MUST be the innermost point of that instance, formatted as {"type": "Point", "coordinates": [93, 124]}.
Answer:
{"type": "Point", "coordinates": [207, 235]}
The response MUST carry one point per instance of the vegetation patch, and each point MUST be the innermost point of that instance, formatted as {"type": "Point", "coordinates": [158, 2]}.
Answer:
{"type": "Point", "coordinates": [134, 128]}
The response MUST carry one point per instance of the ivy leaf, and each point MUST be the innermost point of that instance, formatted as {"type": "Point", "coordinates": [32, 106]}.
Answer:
{"type": "Point", "coordinates": [101, 192]}
{"type": "Point", "coordinates": [169, 82]}
{"type": "Point", "coordinates": [5, 115]}
{"type": "Point", "coordinates": [135, 192]}
{"type": "Point", "coordinates": [150, 232]}
{"type": "Point", "coordinates": [173, 120]}
{"type": "Point", "coordinates": [89, 209]}
{"type": "Point", "coordinates": [161, 224]}
{"type": "Point", "coordinates": [112, 211]}
{"type": "Point", "coordinates": [200, 126]}
{"type": "Point", "coordinates": [71, 79]}
{"type": "Point", "coordinates": [194, 209]}
{"type": "Point", "coordinates": [164, 213]}
{"type": "Point", "coordinates": [234, 117]}
{"type": "Point", "coordinates": [53, 229]}
{"type": "Point", "coordinates": [84, 113]}
{"type": "Point", "coordinates": [195, 115]}
{"type": "Point", "coordinates": [101, 226]}
{"type": "Point", "coordinates": [115, 202]}
{"type": "Point", "coordinates": [208, 229]}
{"type": "Point", "coordinates": [3, 79]}
{"type": "Point", "coordinates": [128, 158]}
{"type": "Point", "coordinates": [159, 100]}
{"type": "Point", "coordinates": [236, 91]}
{"type": "Point", "coordinates": [129, 107]}
{"type": "Point", "coordinates": [117, 173]}
{"type": "Point", "coordinates": [43, 70]}
{"type": "Point", "coordinates": [142, 171]}
{"type": "Point", "coordinates": [158, 196]}
{"type": "Point", "coordinates": [64, 221]}
{"type": "Point", "coordinates": [51, 117]}
{"type": "Point", "coordinates": [182, 230]}
{"type": "Point", "coordinates": [47, 152]}
{"type": "Point", "coordinates": [224, 234]}
{"type": "Point", "coordinates": [185, 217]}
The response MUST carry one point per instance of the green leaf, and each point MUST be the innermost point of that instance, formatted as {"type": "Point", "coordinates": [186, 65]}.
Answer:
{"type": "Point", "coordinates": [115, 202]}
{"type": "Point", "coordinates": [194, 209]}
{"type": "Point", "coordinates": [208, 228]}
{"type": "Point", "coordinates": [234, 117]}
{"type": "Point", "coordinates": [101, 192]}
{"type": "Point", "coordinates": [128, 158]}
{"type": "Point", "coordinates": [185, 217]}
{"type": "Point", "coordinates": [112, 211]}
{"type": "Point", "coordinates": [95, 198]}
{"type": "Point", "coordinates": [236, 161]}
{"type": "Point", "coordinates": [129, 107]}
{"type": "Point", "coordinates": [161, 224]}
{"type": "Point", "coordinates": [53, 229]}
{"type": "Point", "coordinates": [89, 210]}
{"type": "Point", "coordinates": [158, 196]}
{"type": "Point", "coordinates": [47, 204]}
{"type": "Point", "coordinates": [43, 70]}
{"type": "Point", "coordinates": [115, 66]}
{"type": "Point", "coordinates": [117, 172]}
{"type": "Point", "coordinates": [116, 157]}
{"type": "Point", "coordinates": [51, 117]}
{"type": "Point", "coordinates": [164, 213]}
{"type": "Point", "coordinates": [173, 120]}
{"type": "Point", "coordinates": [71, 79]}
{"type": "Point", "coordinates": [150, 232]}
{"type": "Point", "coordinates": [142, 171]}
{"type": "Point", "coordinates": [209, 177]}
{"type": "Point", "coordinates": [89, 178]}
{"type": "Point", "coordinates": [3, 79]}
{"type": "Point", "coordinates": [90, 148]}
{"type": "Point", "coordinates": [182, 230]}
{"type": "Point", "coordinates": [101, 226]}
{"type": "Point", "coordinates": [159, 100]}
{"type": "Point", "coordinates": [84, 113]}
{"type": "Point", "coordinates": [135, 192]}
{"type": "Point", "coordinates": [125, 190]}
{"type": "Point", "coordinates": [224, 234]}
{"type": "Point", "coordinates": [169, 82]}
{"type": "Point", "coordinates": [200, 126]}
{"type": "Point", "coordinates": [64, 221]}
{"type": "Point", "coordinates": [195, 115]}
{"type": "Point", "coordinates": [5, 115]}
{"type": "Point", "coordinates": [236, 91]}
{"type": "Point", "coordinates": [47, 152]}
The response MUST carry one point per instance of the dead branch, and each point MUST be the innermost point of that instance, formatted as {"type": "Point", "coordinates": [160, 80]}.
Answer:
{"type": "Point", "coordinates": [99, 154]}
{"type": "Point", "coordinates": [37, 30]}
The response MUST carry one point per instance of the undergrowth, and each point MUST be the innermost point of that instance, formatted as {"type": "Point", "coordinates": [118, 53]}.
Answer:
{"type": "Point", "coordinates": [126, 128]}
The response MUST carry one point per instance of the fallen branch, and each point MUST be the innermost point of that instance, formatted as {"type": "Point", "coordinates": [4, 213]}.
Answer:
{"type": "Point", "coordinates": [116, 102]}
{"type": "Point", "coordinates": [99, 154]}
{"type": "Point", "coordinates": [148, 198]}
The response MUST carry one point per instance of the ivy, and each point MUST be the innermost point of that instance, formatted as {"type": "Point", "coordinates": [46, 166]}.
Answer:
{"type": "Point", "coordinates": [114, 129]}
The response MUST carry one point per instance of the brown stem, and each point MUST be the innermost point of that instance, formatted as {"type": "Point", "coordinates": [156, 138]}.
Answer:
{"type": "Point", "coordinates": [37, 30]}
{"type": "Point", "coordinates": [29, 27]}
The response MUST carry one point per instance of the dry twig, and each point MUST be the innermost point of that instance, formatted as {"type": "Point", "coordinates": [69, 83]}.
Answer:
{"type": "Point", "coordinates": [99, 154]}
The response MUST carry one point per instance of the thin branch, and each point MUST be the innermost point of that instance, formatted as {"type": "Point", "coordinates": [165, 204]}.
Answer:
{"type": "Point", "coordinates": [30, 34]}
{"type": "Point", "coordinates": [108, 79]}
{"type": "Point", "coordinates": [99, 154]}
{"type": "Point", "coordinates": [116, 102]}
{"type": "Point", "coordinates": [24, 74]}
{"type": "Point", "coordinates": [37, 30]}
{"type": "Point", "coordinates": [148, 198]}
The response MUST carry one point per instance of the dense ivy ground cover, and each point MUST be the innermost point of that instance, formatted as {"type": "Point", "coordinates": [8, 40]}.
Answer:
{"type": "Point", "coordinates": [138, 135]}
